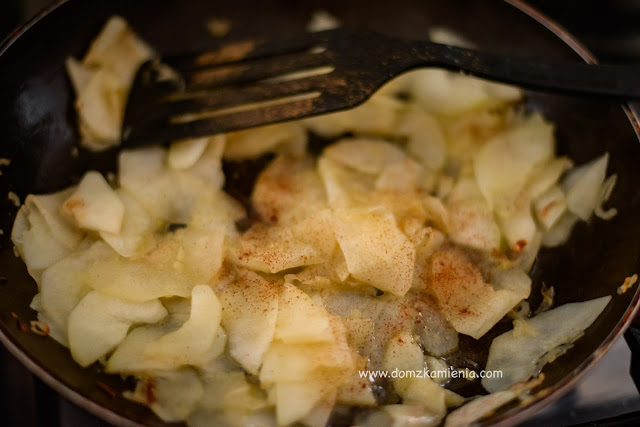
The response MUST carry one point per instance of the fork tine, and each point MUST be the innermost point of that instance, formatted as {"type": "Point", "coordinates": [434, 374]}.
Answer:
{"type": "Point", "coordinates": [163, 131]}
{"type": "Point", "coordinates": [230, 97]}
{"type": "Point", "coordinates": [245, 50]}
{"type": "Point", "coordinates": [259, 69]}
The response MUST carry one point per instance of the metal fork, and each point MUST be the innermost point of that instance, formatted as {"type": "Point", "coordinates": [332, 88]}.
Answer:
{"type": "Point", "coordinates": [251, 83]}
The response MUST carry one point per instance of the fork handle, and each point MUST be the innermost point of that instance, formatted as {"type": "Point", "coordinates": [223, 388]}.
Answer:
{"type": "Point", "coordinates": [620, 81]}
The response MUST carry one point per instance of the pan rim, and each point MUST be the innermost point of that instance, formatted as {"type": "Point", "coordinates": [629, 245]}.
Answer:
{"type": "Point", "coordinates": [511, 417]}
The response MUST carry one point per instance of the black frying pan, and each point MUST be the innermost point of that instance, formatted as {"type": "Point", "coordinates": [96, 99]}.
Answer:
{"type": "Point", "coordinates": [38, 131]}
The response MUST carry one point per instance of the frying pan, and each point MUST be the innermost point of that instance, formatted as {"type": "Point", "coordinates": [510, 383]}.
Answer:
{"type": "Point", "coordinates": [38, 132]}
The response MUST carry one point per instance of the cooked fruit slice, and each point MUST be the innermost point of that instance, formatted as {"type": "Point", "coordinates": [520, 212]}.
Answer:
{"type": "Point", "coordinates": [582, 186]}
{"type": "Point", "coordinates": [549, 334]}
{"type": "Point", "coordinates": [365, 155]}
{"type": "Point", "coordinates": [137, 228]}
{"type": "Point", "coordinates": [63, 284]}
{"type": "Point", "coordinates": [288, 190]}
{"type": "Point", "coordinates": [180, 261]}
{"type": "Point", "coordinates": [190, 345]}
{"type": "Point", "coordinates": [300, 320]}
{"type": "Point", "coordinates": [100, 322]}
{"type": "Point", "coordinates": [250, 310]}
{"type": "Point", "coordinates": [505, 163]}
{"type": "Point", "coordinates": [375, 249]}
{"type": "Point", "coordinates": [94, 205]}
{"type": "Point", "coordinates": [471, 305]}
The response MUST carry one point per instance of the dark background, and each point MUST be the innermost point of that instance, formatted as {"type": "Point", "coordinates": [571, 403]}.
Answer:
{"type": "Point", "coordinates": [609, 28]}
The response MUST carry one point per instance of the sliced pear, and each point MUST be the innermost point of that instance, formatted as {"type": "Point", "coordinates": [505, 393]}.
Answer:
{"type": "Point", "coordinates": [94, 205]}
{"type": "Point", "coordinates": [250, 310]}
{"type": "Point", "coordinates": [100, 322]}
{"type": "Point", "coordinates": [300, 320]}
{"type": "Point", "coordinates": [520, 357]}
{"type": "Point", "coordinates": [582, 186]}
{"type": "Point", "coordinates": [504, 164]}
{"type": "Point", "coordinates": [469, 304]}
{"type": "Point", "coordinates": [365, 155]}
{"type": "Point", "coordinates": [60, 226]}
{"type": "Point", "coordinates": [63, 284]}
{"type": "Point", "coordinates": [184, 154]}
{"type": "Point", "coordinates": [137, 228]}
{"type": "Point", "coordinates": [288, 190]}
{"type": "Point", "coordinates": [286, 138]}
{"type": "Point", "coordinates": [550, 206]}
{"type": "Point", "coordinates": [176, 394]}
{"type": "Point", "coordinates": [375, 249]}
{"type": "Point", "coordinates": [190, 343]}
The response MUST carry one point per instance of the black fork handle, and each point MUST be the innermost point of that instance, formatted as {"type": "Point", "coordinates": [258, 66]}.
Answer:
{"type": "Point", "coordinates": [618, 81]}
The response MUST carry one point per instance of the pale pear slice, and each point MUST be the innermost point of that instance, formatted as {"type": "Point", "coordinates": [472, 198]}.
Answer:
{"type": "Point", "coordinates": [582, 186]}
{"type": "Point", "coordinates": [94, 205]}
{"type": "Point", "coordinates": [344, 187]}
{"type": "Point", "coordinates": [128, 358]}
{"type": "Point", "coordinates": [180, 261]}
{"type": "Point", "coordinates": [100, 108]}
{"type": "Point", "coordinates": [403, 176]}
{"type": "Point", "coordinates": [143, 173]}
{"type": "Point", "coordinates": [190, 344]}
{"type": "Point", "coordinates": [286, 138]}
{"type": "Point", "coordinates": [138, 280]}
{"type": "Point", "coordinates": [274, 248]}
{"type": "Point", "coordinates": [402, 354]}
{"type": "Point", "coordinates": [79, 74]}
{"type": "Point", "coordinates": [426, 139]}
{"type": "Point", "coordinates": [356, 389]}
{"type": "Point", "coordinates": [296, 362]}
{"type": "Point", "coordinates": [478, 408]}
{"type": "Point", "coordinates": [60, 226]}
{"type": "Point", "coordinates": [231, 390]}
{"type": "Point", "coordinates": [100, 322]}
{"type": "Point", "coordinates": [407, 415]}
{"type": "Point", "coordinates": [288, 190]}
{"type": "Point", "coordinates": [520, 227]}
{"type": "Point", "coordinates": [469, 304]}
{"type": "Point", "coordinates": [550, 206]}
{"type": "Point", "coordinates": [119, 50]}
{"type": "Point", "coordinates": [365, 155]}
{"type": "Point", "coordinates": [378, 116]}
{"type": "Point", "coordinates": [541, 181]}
{"type": "Point", "coordinates": [176, 341]}
{"type": "Point", "coordinates": [300, 320]}
{"type": "Point", "coordinates": [295, 400]}
{"type": "Point", "coordinates": [184, 154]}
{"type": "Point", "coordinates": [450, 94]}
{"type": "Point", "coordinates": [426, 392]}
{"type": "Point", "coordinates": [250, 310]}
{"type": "Point", "coordinates": [321, 413]}
{"type": "Point", "coordinates": [136, 231]}
{"type": "Point", "coordinates": [176, 394]}
{"type": "Point", "coordinates": [216, 210]}
{"type": "Point", "coordinates": [520, 357]}
{"type": "Point", "coordinates": [471, 222]}
{"type": "Point", "coordinates": [63, 284]}
{"type": "Point", "coordinates": [375, 249]}
{"type": "Point", "coordinates": [504, 164]}
{"type": "Point", "coordinates": [35, 242]}
{"type": "Point", "coordinates": [208, 167]}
